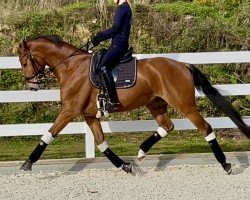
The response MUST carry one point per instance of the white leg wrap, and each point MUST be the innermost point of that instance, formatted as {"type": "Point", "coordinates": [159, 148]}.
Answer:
{"type": "Point", "coordinates": [103, 146]}
{"type": "Point", "coordinates": [141, 155]}
{"type": "Point", "coordinates": [47, 138]}
{"type": "Point", "coordinates": [210, 137]}
{"type": "Point", "coordinates": [162, 132]}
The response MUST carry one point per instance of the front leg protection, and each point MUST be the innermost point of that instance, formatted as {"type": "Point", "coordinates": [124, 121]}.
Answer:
{"type": "Point", "coordinates": [37, 152]}
{"type": "Point", "coordinates": [118, 162]}
{"type": "Point", "coordinates": [104, 148]}
{"type": "Point", "coordinates": [34, 156]}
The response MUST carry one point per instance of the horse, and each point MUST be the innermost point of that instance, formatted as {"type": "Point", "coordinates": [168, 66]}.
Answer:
{"type": "Point", "coordinates": [161, 82]}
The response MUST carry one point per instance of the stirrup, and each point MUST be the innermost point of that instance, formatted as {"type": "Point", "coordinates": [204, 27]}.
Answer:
{"type": "Point", "coordinates": [101, 103]}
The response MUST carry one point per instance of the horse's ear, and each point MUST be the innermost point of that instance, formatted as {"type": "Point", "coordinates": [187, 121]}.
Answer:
{"type": "Point", "coordinates": [25, 45]}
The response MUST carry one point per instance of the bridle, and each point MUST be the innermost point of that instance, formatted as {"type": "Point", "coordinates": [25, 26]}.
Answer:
{"type": "Point", "coordinates": [40, 72]}
{"type": "Point", "coordinates": [37, 72]}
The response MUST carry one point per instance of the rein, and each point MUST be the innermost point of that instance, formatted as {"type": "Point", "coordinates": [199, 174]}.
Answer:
{"type": "Point", "coordinates": [73, 54]}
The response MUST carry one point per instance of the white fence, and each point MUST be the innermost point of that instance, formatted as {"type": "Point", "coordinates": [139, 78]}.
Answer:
{"type": "Point", "coordinates": [122, 126]}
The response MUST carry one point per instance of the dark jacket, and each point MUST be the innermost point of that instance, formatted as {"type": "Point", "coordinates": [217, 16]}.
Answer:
{"type": "Point", "coordinates": [120, 30]}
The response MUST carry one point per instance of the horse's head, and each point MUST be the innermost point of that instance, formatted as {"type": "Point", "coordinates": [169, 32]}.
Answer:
{"type": "Point", "coordinates": [32, 63]}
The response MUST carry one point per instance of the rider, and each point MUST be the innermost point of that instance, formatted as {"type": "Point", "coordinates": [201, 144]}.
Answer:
{"type": "Point", "coordinates": [119, 33]}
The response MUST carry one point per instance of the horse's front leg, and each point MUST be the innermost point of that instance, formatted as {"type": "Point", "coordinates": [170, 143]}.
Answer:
{"type": "Point", "coordinates": [64, 117]}
{"type": "Point", "coordinates": [102, 144]}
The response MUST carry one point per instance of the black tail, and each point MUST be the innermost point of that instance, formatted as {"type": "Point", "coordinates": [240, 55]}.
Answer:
{"type": "Point", "coordinates": [203, 85]}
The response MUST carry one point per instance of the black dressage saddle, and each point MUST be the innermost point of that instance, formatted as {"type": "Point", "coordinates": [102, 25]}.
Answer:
{"type": "Point", "coordinates": [124, 73]}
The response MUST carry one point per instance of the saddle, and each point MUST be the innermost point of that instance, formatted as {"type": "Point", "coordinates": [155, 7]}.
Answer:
{"type": "Point", "coordinates": [124, 75]}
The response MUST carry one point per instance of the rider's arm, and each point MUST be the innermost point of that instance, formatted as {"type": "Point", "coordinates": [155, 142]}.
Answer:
{"type": "Point", "coordinates": [116, 28]}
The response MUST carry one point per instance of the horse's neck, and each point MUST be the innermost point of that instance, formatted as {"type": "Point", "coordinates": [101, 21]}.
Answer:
{"type": "Point", "coordinates": [58, 55]}
{"type": "Point", "coordinates": [61, 61]}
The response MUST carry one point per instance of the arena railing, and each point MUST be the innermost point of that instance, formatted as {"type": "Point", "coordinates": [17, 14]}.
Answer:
{"type": "Point", "coordinates": [22, 96]}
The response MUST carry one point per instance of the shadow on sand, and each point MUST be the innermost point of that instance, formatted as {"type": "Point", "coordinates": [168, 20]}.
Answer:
{"type": "Point", "coordinates": [243, 160]}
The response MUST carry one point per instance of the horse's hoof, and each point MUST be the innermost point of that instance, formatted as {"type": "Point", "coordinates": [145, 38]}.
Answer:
{"type": "Point", "coordinates": [141, 156]}
{"type": "Point", "coordinates": [127, 167]}
{"type": "Point", "coordinates": [227, 167]}
{"type": "Point", "coordinates": [26, 166]}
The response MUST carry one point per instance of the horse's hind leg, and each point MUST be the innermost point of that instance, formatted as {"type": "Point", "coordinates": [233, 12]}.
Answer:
{"type": "Point", "coordinates": [194, 116]}
{"type": "Point", "coordinates": [158, 108]}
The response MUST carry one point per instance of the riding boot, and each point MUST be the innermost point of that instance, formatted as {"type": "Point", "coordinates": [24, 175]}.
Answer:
{"type": "Point", "coordinates": [109, 85]}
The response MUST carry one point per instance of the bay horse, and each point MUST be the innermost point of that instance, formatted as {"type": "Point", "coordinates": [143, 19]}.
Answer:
{"type": "Point", "coordinates": [160, 82]}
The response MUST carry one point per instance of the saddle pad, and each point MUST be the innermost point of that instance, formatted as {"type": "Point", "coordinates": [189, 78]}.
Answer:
{"type": "Point", "coordinates": [124, 75]}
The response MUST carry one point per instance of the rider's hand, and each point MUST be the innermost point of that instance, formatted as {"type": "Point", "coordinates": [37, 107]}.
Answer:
{"type": "Point", "coordinates": [95, 40]}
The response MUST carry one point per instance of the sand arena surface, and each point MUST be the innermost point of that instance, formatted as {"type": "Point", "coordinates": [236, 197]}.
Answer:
{"type": "Point", "coordinates": [182, 182]}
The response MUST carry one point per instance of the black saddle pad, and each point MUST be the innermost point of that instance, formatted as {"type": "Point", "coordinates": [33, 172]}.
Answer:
{"type": "Point", "coordinates": [124, 74]}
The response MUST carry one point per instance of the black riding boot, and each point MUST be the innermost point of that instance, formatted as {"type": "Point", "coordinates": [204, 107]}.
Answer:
{"type": "Point", "coordinates": [109, 85]}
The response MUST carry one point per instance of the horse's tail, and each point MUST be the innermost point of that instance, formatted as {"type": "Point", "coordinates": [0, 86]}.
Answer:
{"type": "Point", "coordinates": [203, 85]}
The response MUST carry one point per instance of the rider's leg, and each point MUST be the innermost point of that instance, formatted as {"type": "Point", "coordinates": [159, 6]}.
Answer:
{"type": "Point", "coordinates": [113, 55]}
{"type": "Point", "coordinates": [109, 86]}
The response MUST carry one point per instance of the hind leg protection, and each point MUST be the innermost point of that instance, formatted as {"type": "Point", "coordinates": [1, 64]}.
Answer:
{"type": "Point", "coordinates": [147, 144]}
{"type": "Point", "coordinates": [219, 155]}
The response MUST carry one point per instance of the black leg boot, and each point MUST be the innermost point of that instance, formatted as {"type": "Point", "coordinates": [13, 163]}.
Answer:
{"type": "Point", "coordinates": [219, 155]}
{"type": "Point", "coordinates": [109, 85]}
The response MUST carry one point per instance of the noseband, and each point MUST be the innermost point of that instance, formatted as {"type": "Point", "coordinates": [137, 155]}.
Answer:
{"type": "Point", "coordinates": [37, 72]}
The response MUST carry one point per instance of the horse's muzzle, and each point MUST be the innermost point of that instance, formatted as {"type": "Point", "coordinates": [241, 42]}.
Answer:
{"type": "Point", "coordinates": [35, 84]}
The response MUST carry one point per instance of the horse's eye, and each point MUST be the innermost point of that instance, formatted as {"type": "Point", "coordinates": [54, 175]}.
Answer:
{"type": "Point", "coordinates": [24, 64]}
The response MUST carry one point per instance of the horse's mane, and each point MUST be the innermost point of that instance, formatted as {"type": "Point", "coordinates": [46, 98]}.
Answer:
{"type": "Point", "coordinates": [53, 38]}
{"type": "Point", "coordinates": [57, 40]}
